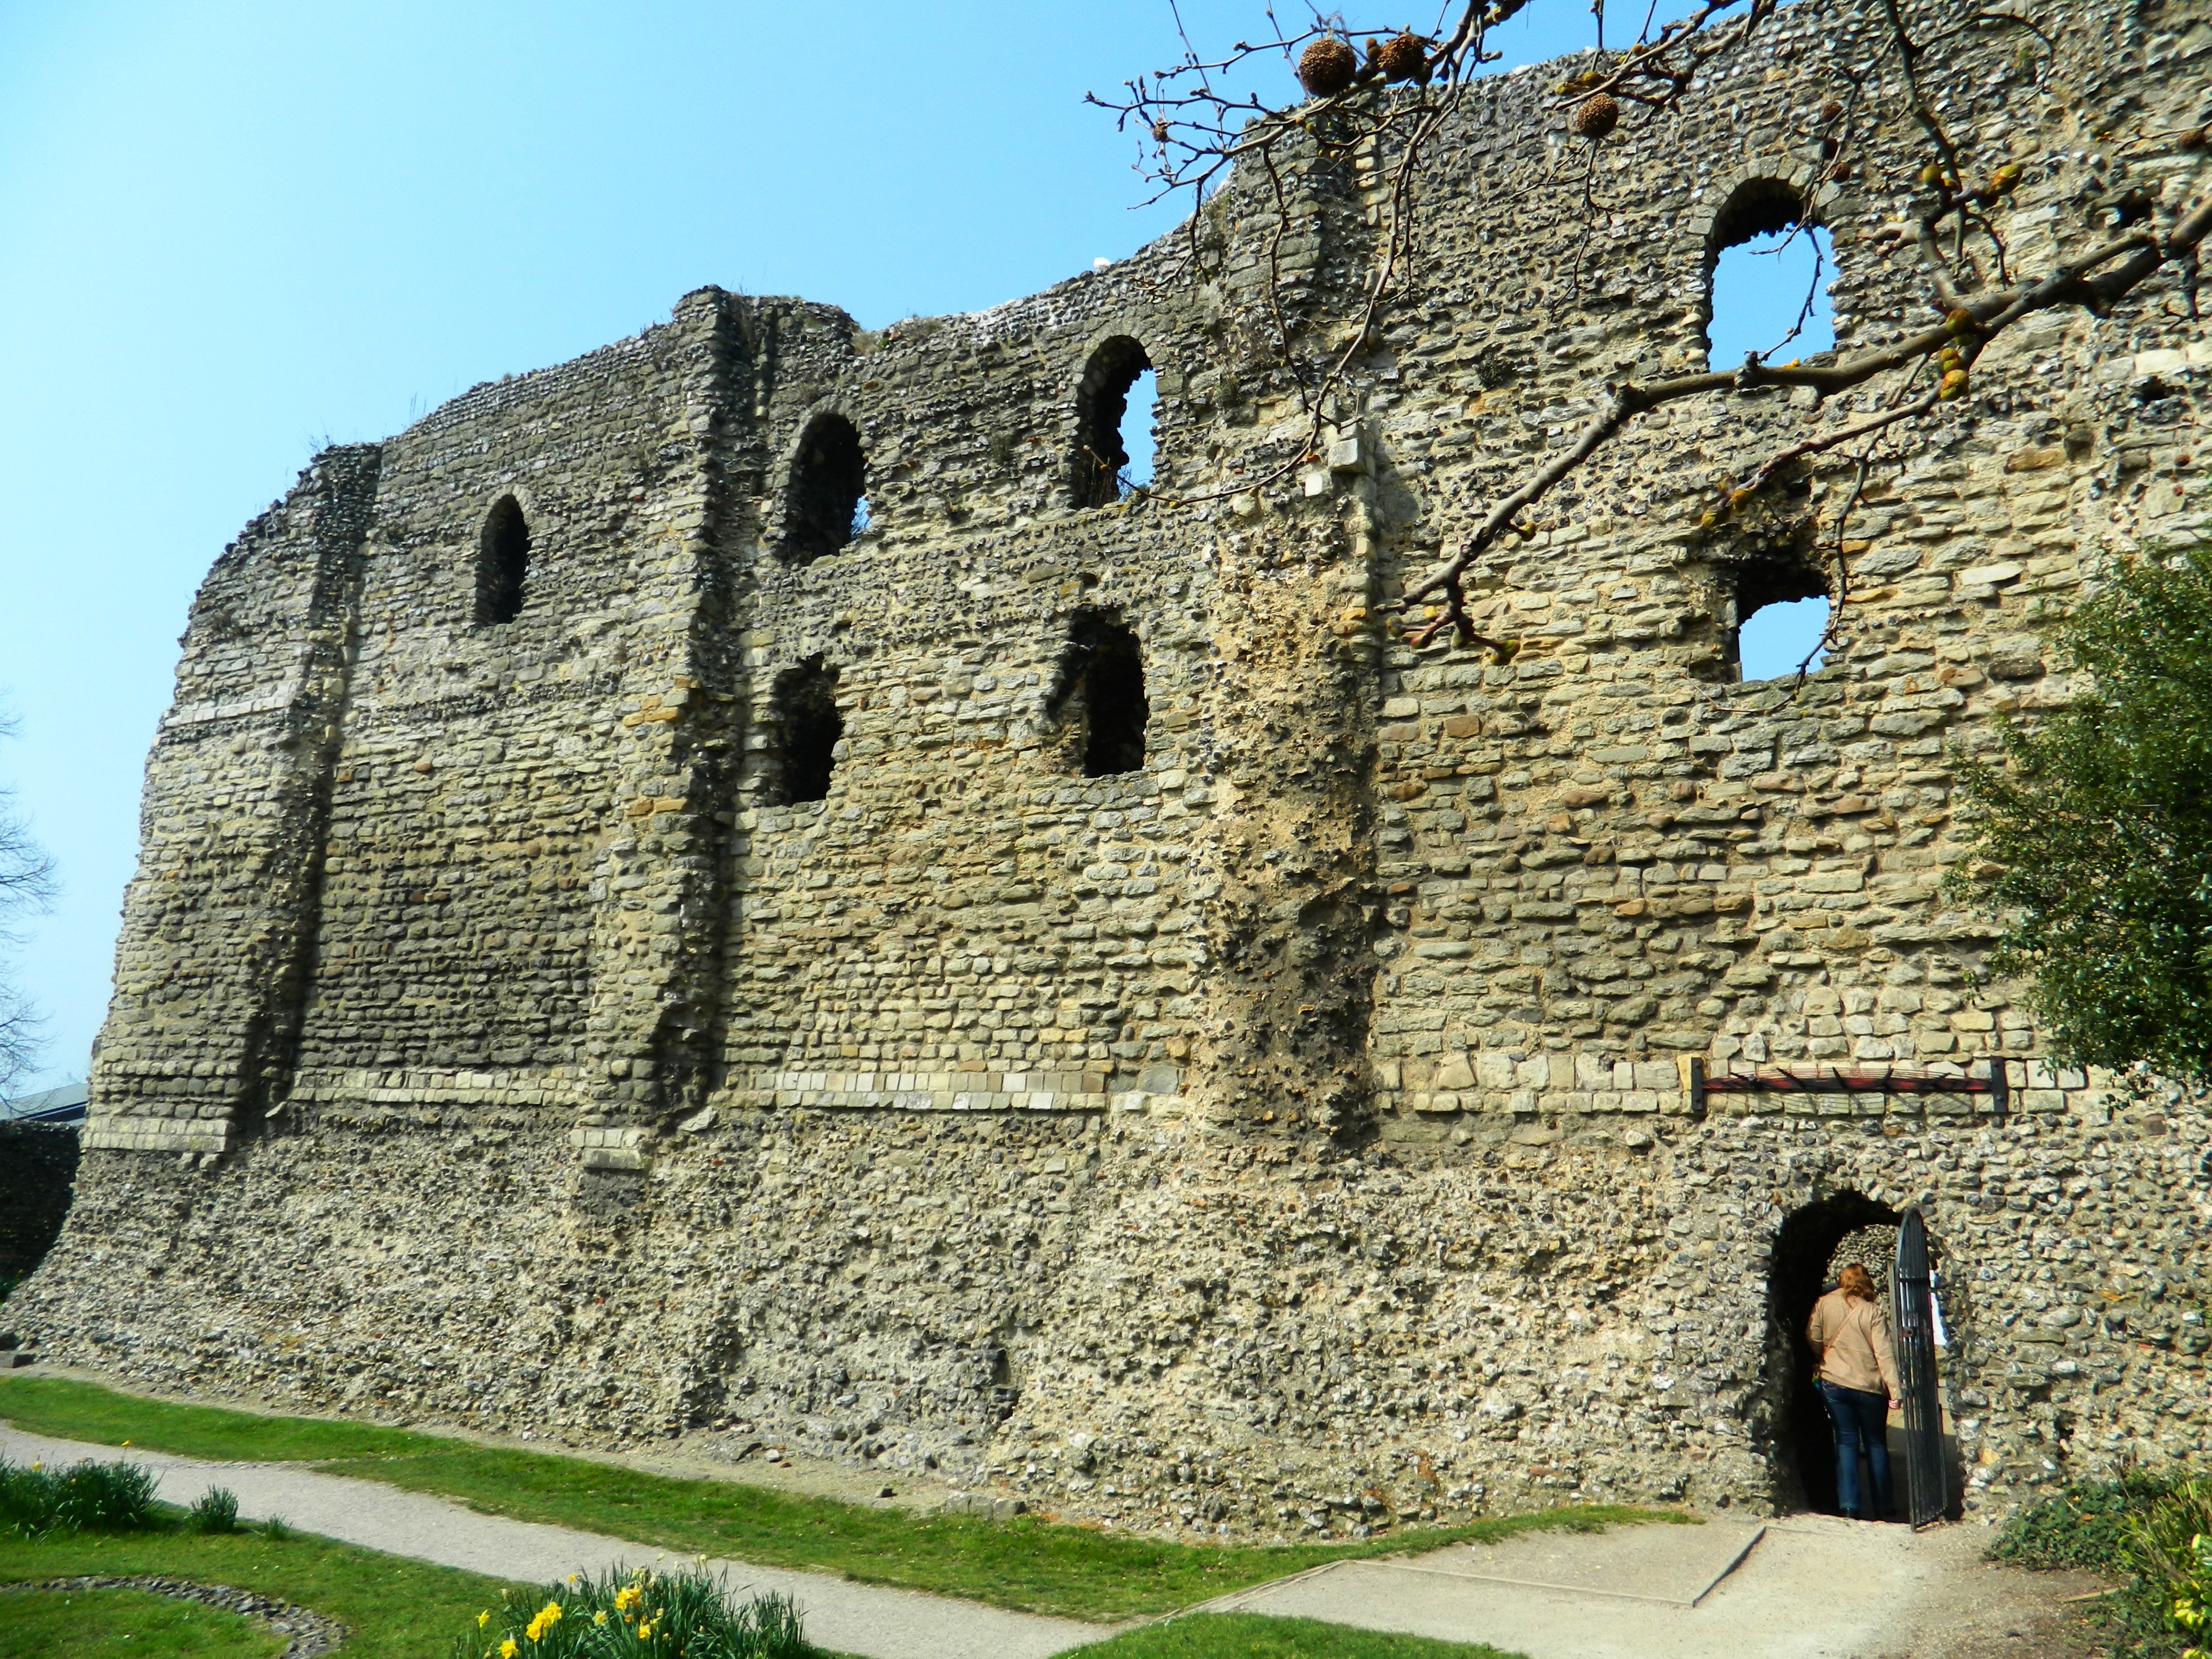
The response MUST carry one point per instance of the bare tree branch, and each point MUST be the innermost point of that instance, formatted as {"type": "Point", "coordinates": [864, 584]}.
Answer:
{"type": "Point", "coordinates": [26, 889]}
{"type": "Point", "coordinates": [1197, 128]}
{"type": "Point", "coordinates": [1964, 334]}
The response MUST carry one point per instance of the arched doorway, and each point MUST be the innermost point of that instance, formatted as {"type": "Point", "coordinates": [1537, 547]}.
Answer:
{"type": "Point", "coordinates": [1805, 1447]}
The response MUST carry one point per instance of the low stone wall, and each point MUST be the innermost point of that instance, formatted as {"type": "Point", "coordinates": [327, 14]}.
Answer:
{"type": "Point", "coordinates": [38, 1170]}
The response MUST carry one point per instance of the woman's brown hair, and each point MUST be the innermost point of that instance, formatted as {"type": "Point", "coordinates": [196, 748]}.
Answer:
{"type": "Point", "coordinates": [1855, 1282]}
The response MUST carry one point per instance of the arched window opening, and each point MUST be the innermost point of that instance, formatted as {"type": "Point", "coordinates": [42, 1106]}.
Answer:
{"type": "Point", "coordinates": [1141, 407]}
{"type": "Point", "coordinates": [806, 715]}
{"type": "Point", "coordinates": [828, 507]}
{"type": "Point", "coordinates": [1100, 702]}
{"type": "Point", "coordinates": [1767, 289]}
{"type": "Point", "coordinates": [1114, 408]}
{"type": "Point", "coordinates": [502, 563]}
{"type": "Point", "coordinates": [1782, 608]}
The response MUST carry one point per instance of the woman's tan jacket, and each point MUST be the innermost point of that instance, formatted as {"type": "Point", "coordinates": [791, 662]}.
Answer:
{"type": "Point", "coordinates": [1852, 1339]}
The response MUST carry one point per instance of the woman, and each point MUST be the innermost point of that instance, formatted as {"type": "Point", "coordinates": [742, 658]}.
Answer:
{"type": "Point", "coordinates": [1858, 1379]}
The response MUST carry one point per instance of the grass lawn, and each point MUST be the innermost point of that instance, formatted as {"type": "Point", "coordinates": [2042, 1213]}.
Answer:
{"type": "Point", "coordinates": [392, 1608]}
{"type": "Point", "coordinates": [1032, 1567]}
{"type": "Point", "coordinates": [1248, 1636]}
{"type": "Point", "coordinates": [83, 1624]}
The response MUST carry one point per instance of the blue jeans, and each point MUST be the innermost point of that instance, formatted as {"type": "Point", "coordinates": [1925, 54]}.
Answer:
{"type": "Point", "coordinates": [1862, 1421]}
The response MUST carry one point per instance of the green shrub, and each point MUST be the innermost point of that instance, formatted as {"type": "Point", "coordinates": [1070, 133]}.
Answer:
{"type": "Point", "coordinates": [2086, 1525]}
{"type": "Point", "coordinates": [276, 1527]}
{"type": "Point", "coordinates": [89, 1497]}
{"type": "Point", "coordinates": [2154, 1532]}
{"type": "Point", "coordinates": [2190, 1610]}
{"type": "Point", "coordinates": [681, 1615]}
{"type": "Point", "coordinates": [2169, 1547]}
{"type": "Point", "coordinates": [2092, 833]}
{"type": "Point", "coordinates": [215, 1510]}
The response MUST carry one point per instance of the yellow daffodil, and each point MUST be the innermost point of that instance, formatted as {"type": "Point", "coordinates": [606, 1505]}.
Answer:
{"type": "Point", "coordinates": [645, 1632]}
{"type": "Point", "coordinates": [483, 1618]}
{"type": "Point", "coordinates": [628, 1597]}
{"type": "Point", "coordinates": [600, 1617]}
{"type": "Point", "coordinates": [509, 1649]}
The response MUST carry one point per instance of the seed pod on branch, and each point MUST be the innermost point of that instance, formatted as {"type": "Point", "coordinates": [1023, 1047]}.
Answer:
{"type": "Point", "coordinates": [1595, 116]}
{"type": "Point", "coordinates": [1328, 67]}
{"type": "Point", "coordinates": [1402, 57]}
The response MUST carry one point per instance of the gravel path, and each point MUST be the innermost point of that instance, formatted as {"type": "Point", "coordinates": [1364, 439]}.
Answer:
{"type": "Point", "coordinates": [849, 1617]}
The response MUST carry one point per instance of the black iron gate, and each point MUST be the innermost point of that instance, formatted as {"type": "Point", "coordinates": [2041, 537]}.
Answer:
{"type": "Point", "coordinates": [1912, 1303]}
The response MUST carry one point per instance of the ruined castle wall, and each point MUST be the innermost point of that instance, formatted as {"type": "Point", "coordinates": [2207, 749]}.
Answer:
{"type": "Point", "coordinates": [968, 912]}
{"type": "Point", "coordinates": [476, 790]}
{"type": "Point", "coordinates": [219, 922]}
{"type": "Point", "coordinates": [1306, 1131]}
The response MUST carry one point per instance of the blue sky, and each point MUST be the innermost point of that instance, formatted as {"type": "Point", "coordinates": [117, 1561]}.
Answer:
{"type": "Point", "coordinates": [236, 231]}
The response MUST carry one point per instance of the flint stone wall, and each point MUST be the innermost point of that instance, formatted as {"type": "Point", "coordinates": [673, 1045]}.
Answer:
{"type": "Point", "coordinates": [1301, 1133]}
{"type": "Point", "coordinates": [37, 1165]}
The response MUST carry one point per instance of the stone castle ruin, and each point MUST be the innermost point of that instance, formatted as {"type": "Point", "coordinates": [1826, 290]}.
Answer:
{"type": "Point", "coordinates": [1053, 988]}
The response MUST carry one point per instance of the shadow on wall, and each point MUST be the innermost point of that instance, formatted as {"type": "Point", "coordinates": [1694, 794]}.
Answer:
{"type": "Point", "coordinates": [1805, 1448]}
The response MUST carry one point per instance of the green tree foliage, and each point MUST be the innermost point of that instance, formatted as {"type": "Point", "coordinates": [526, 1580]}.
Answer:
{"type": "Point", "coordinates": [2095, 833]}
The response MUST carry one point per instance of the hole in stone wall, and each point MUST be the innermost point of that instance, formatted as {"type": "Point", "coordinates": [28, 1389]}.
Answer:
{"type": "Point", "coordinates": [502, 563]}
{"type": "Point", "coordinates": [1805, 1445]}
{"type": "Point", "coordinates": [1141, 406]}
{"type": "Point", "coordinates": [828, 507]}
{"type": "Point", "coordinates": [1100, 704]}
{"type": "Point", "coordinates": [1775, 638]}
{"type": "Point", "coordinates": [1782, 608]}
{"type": "Point", "coordinates": [806, 715]}
{"type": "Point", "coordinates": [1117, 386]}
{"type": "Point", "coordinates": [1766, 289]}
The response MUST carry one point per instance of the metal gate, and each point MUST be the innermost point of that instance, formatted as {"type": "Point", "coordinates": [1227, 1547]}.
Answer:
{"type": "Point", "coordinates": [1912, 1304]}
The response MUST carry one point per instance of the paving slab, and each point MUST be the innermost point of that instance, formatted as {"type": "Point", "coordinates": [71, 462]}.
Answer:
{"type": "Point", "coordinates": [1674, 1565]}
{"type": "Point", "coordinates": [1808, 1588]}
{"type": "Point", "coordinates": [860, 1618]}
